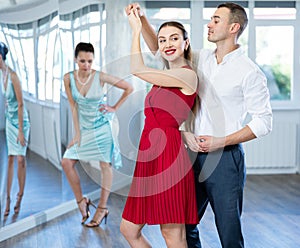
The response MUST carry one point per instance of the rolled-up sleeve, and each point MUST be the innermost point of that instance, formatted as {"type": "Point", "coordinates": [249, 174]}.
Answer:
{"type": "Point", "coordinates": [257, 101]}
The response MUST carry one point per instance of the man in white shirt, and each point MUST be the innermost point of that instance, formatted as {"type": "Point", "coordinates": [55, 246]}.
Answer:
{"type": "Point", "coordinates": [232, 87]}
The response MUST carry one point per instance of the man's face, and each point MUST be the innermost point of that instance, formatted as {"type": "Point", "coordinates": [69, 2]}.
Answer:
{"type": "Point", "coordinates": [219, 26]}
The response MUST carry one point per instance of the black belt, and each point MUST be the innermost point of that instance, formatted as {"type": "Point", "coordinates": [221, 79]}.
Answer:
{"type": "Point", "coordinates": [231, 147]}
{"type": "Point", "coordinates": [226, 148]}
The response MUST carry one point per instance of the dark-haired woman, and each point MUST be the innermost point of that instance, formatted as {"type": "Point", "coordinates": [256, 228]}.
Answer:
{"type": "Point", "coordinates": [93, 138]}
{"type": "Point", "coordinates": [17, 128]}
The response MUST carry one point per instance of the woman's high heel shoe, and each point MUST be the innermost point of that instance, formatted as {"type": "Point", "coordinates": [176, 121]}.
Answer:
{"type": "Point", "coordinates": [96, 223]}
{"type": "Point", "coordinates": [7, 209]}
{"type": "Point", "coordinates": [87, 208]}
{"type": "Point", "coordinates": [18, 203]}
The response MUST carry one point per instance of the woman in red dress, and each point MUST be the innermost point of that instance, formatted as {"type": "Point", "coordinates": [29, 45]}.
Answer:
{"type": "Point", "coordinates": [162, 190]}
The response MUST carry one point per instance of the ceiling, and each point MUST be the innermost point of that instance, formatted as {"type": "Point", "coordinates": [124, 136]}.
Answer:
{"type": "Point", "coordinates": [12, 5]}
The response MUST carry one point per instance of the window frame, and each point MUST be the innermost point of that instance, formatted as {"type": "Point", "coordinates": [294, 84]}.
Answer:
{"type": "Point", "coordinates": [197, 40]}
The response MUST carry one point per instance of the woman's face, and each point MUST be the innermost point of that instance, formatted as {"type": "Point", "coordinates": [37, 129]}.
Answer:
{"type": "Point", "coordinates": [84, 60]}
{"type": "Point", "coordinates": [171, 43]}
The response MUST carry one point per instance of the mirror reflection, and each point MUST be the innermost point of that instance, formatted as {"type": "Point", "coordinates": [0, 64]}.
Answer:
{"type": "Point", "coordinates": [74, 28]}
{"type": "Point", "coordinates": [41, 50]}
{"type": "Point", "coordinates": [34, 55]}
{"type": "Point", "coordinates": [81, 28]}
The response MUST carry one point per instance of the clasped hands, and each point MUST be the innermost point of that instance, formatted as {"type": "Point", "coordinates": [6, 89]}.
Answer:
{"type": "Point", "coordinates": [203, 143]}
{"type": "Point", "coordinates": [134, 13]}
{"type": "Point", "coordinates": [135, 7]}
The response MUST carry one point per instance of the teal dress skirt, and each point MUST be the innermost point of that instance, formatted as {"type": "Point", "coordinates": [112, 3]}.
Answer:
{"type": "Point", "coordinates": [96, 136]}
{"type": "Point", "coordinates": [12, 121]}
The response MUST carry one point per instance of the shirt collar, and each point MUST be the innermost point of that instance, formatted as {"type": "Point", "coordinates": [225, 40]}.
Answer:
{"type": "Point", "coordinates": [235, 53]}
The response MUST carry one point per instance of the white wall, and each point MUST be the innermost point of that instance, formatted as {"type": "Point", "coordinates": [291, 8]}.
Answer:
{"type": "Point", "coordinates": [44, 136]}
{"type": "Point", "coordinates": [45, 131]}
{"type": "Point", "coordinates": [67, 6]}
{"type": "Point", "coordinates": [278, 152]}
{"type": "Point", "coordinates": [29, 13]}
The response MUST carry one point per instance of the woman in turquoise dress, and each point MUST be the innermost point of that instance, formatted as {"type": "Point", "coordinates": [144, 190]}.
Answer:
{"type": "Point", "coordinates": [16, 130]}
{"type": "Point", "coordinates": [93, 139]}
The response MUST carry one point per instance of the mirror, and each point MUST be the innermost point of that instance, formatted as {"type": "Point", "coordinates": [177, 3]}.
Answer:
{"type": "Point", "coordinates": [59, 30]}
{"type": "Point", "coordinates": [89, 23]}
{"type": "Point", "coordinates": [32, 38]}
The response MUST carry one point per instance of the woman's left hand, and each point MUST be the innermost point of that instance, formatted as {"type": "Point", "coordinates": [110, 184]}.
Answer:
{"type": "Point", "coordinates": [106, 109]}
{"type": "Point", "coordinates": [135, 21]}
{"type": "Point", "coordinates": [210, 143]}
{"type": "Point", "coordinates": [21, 139]}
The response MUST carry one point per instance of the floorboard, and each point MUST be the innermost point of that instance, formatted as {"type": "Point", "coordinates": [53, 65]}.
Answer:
{"type": "Point", "coordinates": [271, 219]}
{"type": "Point", "coordinates": [271, 214]}
{"type": "Point", "coordinates": [46, 186]}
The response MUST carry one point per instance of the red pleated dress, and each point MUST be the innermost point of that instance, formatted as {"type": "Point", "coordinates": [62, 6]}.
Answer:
{"type": "Point", "coordinates": [163, 189]}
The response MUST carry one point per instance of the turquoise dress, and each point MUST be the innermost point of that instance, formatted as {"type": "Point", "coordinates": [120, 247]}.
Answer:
{"type": "Point", "coordinates": [96, 142]}
{"type": "Point", "coordinates": [12, 120]}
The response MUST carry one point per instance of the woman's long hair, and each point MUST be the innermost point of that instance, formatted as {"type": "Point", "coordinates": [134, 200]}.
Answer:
{"type": "Point", "coordinates": [189, 123]}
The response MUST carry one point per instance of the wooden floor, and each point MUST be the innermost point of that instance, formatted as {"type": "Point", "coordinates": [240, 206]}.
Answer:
{"type": "Point", "coordinates": [271, 219]}
{"type": "Point", "coordinates": [46, 186]}
{"type": "Point", "coordinates": [271, 216]}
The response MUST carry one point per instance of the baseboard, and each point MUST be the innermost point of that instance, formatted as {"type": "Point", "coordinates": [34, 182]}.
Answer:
{"type": "Point", "coordinates": [27, 223]}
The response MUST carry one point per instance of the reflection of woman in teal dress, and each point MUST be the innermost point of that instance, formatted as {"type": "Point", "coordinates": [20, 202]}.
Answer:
{"type": "Point", "coordinates": [93, 138]}
{"type": "Point", "coordinates": [17, 128]}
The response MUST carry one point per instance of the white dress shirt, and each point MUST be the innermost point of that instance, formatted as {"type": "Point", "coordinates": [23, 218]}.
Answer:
{"type": "Point", "coordinates": [233, 94]}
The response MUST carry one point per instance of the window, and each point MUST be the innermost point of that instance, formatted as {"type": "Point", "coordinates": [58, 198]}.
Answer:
{"type": "Point", "coordinates": [18, 37]}
{"type": "Point", "coordinates": [275, 59]}
{"type": "Point", "coordinates": [27, 75]}
{"type": "Point", "coordinates": [159, 12]}
{"type": "Point", "coordinates": [87, 25]}
{"type": "Point", "coordinates": [162, 11]}
{"type": "Point", "coordinates": [33, 55]}
{"type": "Point", "coordinates": [271, 23]}
{"type": "Point", "coordinates": [274, 31]}
{"type": "Point", "coordinates": [269, 40]}
{"type": "Point", "coordinates": [275, 10]}
{"type": "Point", "coordinates": [208, 11]}
{"type": "Point", "coordinates": [47, 32]}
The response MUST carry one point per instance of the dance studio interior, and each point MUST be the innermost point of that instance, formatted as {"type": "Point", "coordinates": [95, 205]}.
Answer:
{"type": "Point", "coordinates": [41, 36]}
